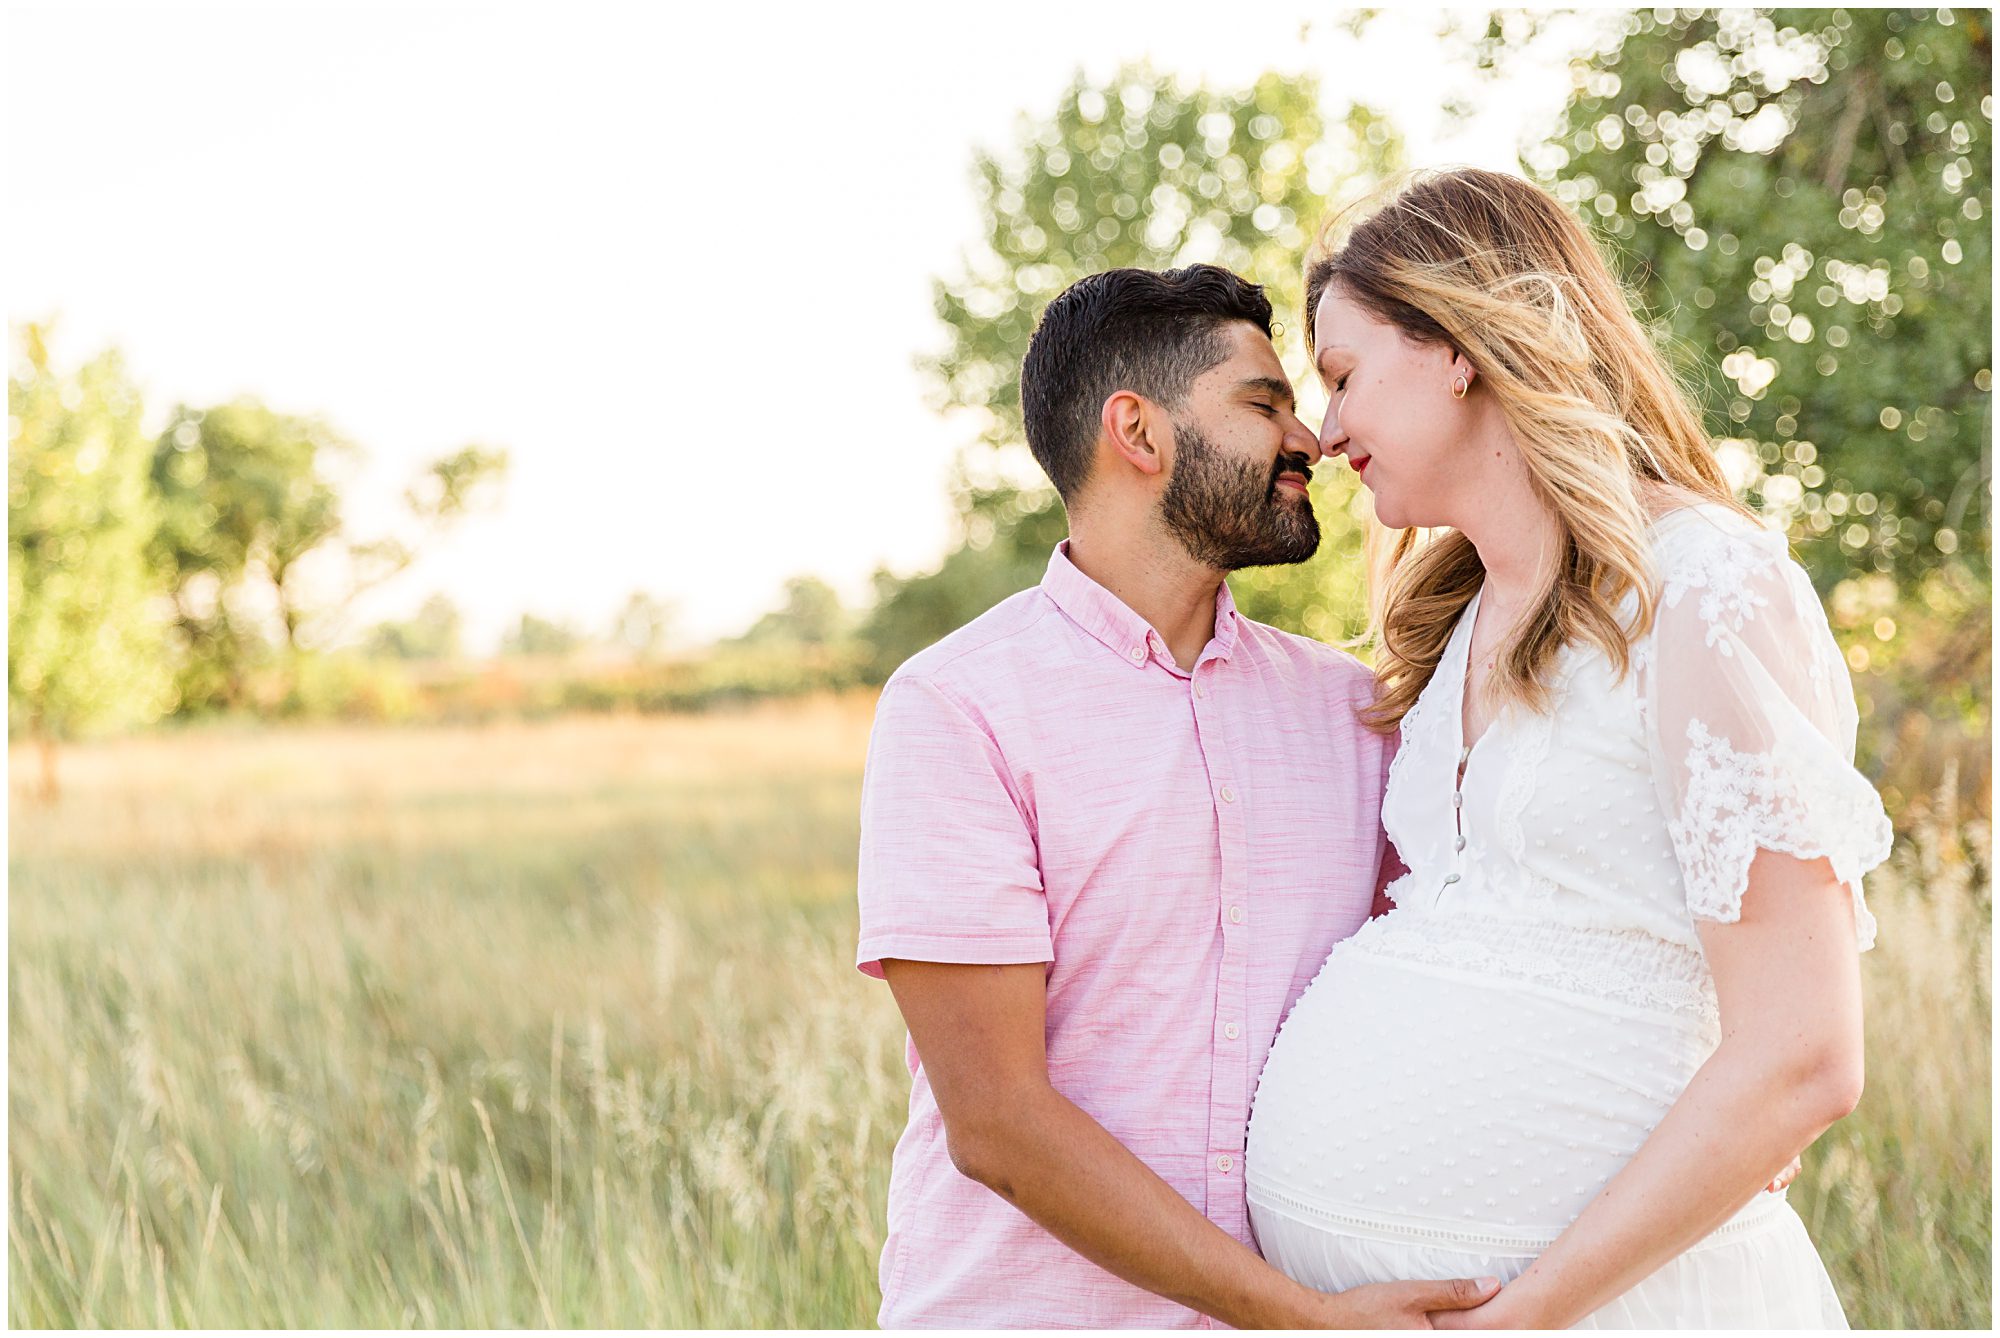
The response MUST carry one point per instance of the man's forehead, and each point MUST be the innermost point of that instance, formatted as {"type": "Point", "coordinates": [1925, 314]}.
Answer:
{"type": "Point", "coordinates": [1250, 353]}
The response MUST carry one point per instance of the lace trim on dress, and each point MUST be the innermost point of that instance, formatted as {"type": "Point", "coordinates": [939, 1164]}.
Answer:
{"type": "Point", "coordinates": [1721, 566]}
{"type": "Point", "coordinates": [1726, 565]}
{"type": "Point", "coordinates": [1626, 966]}
{"type": "Point", "coordinates": [1413, 716]}
{"type": "Point", "coordinates": [1532, 742]}
{"type": "Point", "coordinates": [1737, 803]}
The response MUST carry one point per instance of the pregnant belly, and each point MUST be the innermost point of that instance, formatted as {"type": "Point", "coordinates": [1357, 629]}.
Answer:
{"type": "Point", "coordinates": [1470, 1081]}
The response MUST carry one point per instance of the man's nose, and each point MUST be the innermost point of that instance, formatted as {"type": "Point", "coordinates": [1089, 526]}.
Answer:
{"type": "Point", "coordinates": [1300, 440]}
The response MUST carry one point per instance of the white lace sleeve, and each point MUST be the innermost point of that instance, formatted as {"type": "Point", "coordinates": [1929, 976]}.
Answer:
{"type": "Point", "coordinates": [1750, 720]}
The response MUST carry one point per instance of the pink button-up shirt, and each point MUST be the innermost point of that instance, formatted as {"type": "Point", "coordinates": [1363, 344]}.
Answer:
{"type": "Point", "coordinates": [1182, 849]}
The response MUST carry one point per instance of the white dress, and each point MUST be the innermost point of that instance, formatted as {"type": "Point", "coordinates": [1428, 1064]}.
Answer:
{"type": "Point", "coordinates": [1465, 1073]}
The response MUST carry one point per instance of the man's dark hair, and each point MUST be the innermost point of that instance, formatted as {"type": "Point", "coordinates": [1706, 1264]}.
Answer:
{"type": "Point", "coordinates": [1147, 331]}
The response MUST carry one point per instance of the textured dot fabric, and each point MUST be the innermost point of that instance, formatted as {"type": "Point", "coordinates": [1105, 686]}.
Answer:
{"type": "Point", "coordinates": [1181, 849]}
{"type": "Point", "coordinates": [1467, 1072]}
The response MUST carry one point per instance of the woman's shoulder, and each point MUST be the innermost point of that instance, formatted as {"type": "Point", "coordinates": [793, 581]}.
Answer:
{"type": "Point", "coordinates": [1721, 569]}
{"type": "Point", "coordinates": [1700, 543]}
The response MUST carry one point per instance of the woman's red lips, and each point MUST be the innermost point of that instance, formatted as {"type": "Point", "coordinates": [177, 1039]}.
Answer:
{"type": "Point", "coordinates": [1359, 464]}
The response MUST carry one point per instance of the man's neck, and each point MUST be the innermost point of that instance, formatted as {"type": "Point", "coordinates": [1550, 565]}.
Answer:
{"type": "Point", "coordinates": [1152, 575]}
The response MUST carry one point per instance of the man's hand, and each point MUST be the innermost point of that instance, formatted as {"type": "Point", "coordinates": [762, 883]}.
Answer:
{"type": "Point", "coordinates": [1403, 1305]}
{"type": "Point", "coordinates": [1784, 1177]}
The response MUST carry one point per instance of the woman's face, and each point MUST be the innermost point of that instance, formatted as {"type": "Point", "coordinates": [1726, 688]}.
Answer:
{"type": "Point", "coordinates": [1391, 412]}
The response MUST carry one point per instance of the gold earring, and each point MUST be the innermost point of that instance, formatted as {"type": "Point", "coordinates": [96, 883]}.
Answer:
{"type": "Point", "coordinates": [1459, 386]}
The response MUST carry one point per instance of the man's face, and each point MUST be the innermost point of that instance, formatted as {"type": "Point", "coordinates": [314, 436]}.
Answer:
{"type": "Point", "coordinates": [1236, 496]}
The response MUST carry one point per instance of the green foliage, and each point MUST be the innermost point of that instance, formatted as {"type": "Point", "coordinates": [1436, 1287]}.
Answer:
{"type": "Point", "coordinates": [535, 635]}
{"type": "Point", "coordinates": [249, 500]}
{"type": "Point", "coordinates": [1802, 195]}
{"type": "Point", "coordinates": [1137, 171]}
{"type": "Point", "coordinates": [434, 634]}
{"type": "Point", "coordinates": [83, 629]}
{"type": "Point", "coordinates": [1140, 171]}
{"type": "Point", "coordinates": [810, 616]}
{"type": "Point", "coordinates": [244, 495]}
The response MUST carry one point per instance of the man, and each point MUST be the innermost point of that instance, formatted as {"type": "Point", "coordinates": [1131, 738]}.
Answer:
{"type": "Point", "coordinates": [1110, 829]}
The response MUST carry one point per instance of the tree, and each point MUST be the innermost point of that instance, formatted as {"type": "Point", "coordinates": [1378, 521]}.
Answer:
{"type": "Point", "coordinates": [248, 498]}
{"type": "Point", "coordinates": [643, 624]}
{"type": "Point", "coordinates": [535, 635]}
{"type": "Point", "coordinates": [812, 615]}
{"type": "Point", "coordinates": [242, 497]}
{"type": "Point", "coordinates": [433, 634]}
{"type": "Point", "coordinates": [1801, 196]}
{"type": "Point", "coordinates": [84, 633]}
{"type": "Point", "coordinates": [1138, 171]}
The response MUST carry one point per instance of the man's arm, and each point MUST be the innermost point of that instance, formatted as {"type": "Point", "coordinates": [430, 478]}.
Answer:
{"type": "Point", "coordinates": [979, 1031]}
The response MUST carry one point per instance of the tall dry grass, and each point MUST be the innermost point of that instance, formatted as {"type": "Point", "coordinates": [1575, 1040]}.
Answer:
{"type": "Point", "coordinates": [557, 1024]}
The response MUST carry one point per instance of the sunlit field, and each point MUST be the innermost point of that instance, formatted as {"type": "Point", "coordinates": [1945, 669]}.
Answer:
{"type": "Point", "coordinates": [556, 1024]}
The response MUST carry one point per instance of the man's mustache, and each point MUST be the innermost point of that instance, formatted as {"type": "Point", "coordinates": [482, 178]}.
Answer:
{"type": "Point", "coordinates": [1291, 463]}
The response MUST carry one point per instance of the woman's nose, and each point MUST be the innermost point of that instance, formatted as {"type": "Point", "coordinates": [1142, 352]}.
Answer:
{"type": "Point", "coordinates": [1331, 438]}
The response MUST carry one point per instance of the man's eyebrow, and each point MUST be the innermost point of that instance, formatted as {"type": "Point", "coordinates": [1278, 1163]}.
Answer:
{"type": "Point", "coordinates": [1273, 385]}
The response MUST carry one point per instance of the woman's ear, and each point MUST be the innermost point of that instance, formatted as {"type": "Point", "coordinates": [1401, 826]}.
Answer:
{"type": "Point", "coordinates": [1130, 423]}
{"type": "Point", "coordinates": [1461, 366]}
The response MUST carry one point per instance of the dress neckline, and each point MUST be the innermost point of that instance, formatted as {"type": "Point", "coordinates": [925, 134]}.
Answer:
{"type": "Point", "coordinates": [1461, 637]}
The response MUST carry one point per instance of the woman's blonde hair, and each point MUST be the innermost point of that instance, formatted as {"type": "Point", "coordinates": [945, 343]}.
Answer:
{"type": "Point", "coordinates": [1497, 269]}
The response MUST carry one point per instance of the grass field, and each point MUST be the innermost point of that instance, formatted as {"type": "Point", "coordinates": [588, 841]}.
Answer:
{"type": "Point", "coordinates": [556, 1024]}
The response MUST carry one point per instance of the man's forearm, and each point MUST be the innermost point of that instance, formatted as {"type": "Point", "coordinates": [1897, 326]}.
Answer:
{"type": "Point", "coordinates": [1066, 1172]}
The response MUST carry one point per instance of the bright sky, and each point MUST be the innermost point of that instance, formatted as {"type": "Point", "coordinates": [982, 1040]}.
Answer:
{"type": "Point", "coordinates": [677, 259]}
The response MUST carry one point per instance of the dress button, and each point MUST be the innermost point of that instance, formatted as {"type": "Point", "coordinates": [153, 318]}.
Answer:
{"type": "Point", "coordinates": [1458, 844]}
{"type": "Point", "coordinates": [1450, 878]}
{"type": "Point", "coordinates": [1458, 799]}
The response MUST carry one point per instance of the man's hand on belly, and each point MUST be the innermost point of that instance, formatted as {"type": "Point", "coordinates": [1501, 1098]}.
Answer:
{"type": "Point", "coordinates": [980, 1034]}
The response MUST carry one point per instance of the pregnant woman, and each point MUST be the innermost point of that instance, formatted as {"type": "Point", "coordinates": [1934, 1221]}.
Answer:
{"type": "Point", "coordinates": [1619, 986]}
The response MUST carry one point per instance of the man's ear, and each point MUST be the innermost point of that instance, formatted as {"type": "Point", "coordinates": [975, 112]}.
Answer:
{"type": "Point", "coordinates": [1134, 427]}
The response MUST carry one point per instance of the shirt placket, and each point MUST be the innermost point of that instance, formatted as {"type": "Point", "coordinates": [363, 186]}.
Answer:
{"type": "Point", "coordinates": [1229, 1083]}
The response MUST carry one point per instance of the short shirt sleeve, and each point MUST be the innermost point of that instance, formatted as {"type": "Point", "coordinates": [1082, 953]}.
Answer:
{"type": "Point", "coordinates": [1750, 721]}
{"type": "Point", "coordinates": [949, 869]}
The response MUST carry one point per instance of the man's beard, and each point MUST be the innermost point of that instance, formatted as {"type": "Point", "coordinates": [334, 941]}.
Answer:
{"type": "Point", "coordinates": [1230, 514]}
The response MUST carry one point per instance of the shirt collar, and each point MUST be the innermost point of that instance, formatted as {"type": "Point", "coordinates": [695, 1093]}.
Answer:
{"type": "Point", "coordinates": [1108, 618]}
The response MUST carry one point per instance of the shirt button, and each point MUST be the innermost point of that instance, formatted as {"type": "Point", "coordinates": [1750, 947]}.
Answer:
{"type": "Point", "coordinates": [1230, 1031]}
{"type": "Point", "coordinates": [1201, 689]}
{"type": "Point", "coordinates": [1138, 653]}
{"type": "Point", "coordinates": [1224, 1162]}
{"type": "Point", "coordinates": [1236, 915]}
{"type": "Point", "coordinates": [1228, 795]}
